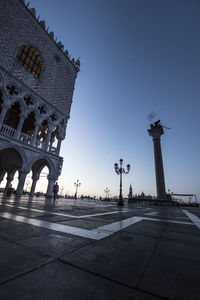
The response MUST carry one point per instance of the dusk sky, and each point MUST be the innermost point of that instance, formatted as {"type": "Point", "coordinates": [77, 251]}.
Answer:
{"type": "Point", "coordinates": [137, 57]}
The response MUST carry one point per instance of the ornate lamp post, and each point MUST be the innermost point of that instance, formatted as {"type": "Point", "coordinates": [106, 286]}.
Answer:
{"type": "Point", "coordinates": [120, 171]}
{"type": "Point", "coordinates": [61, 189]}
{"type": "Point", "coordinates": [107, 191]}
{"type": "Point", "coordinates": [77, 184]}
{"type": "Point", "coordinates": [27, 185]}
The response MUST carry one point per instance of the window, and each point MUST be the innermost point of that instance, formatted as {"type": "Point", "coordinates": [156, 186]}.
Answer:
{"type": "Point", "coordinates": [30, 59]}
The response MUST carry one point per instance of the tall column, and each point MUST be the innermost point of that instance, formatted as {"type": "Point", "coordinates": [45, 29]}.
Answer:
{"type": "Point", "coordinates": [35, 179]}
{"type": "Point", "coordinates": [22, 178]}
{"type": "Point", "coordinates": [19, 127]}
{"type": "Point", "coordinates": [49, 193]}
{"type": "Point", "coordinates": [35, 134]}
{"type": "Point", "coordinates": [2, 114]}
{"type": "Point", "coordinates": [156, 131]}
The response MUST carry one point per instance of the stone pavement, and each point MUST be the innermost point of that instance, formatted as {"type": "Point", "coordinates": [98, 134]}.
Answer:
{"type": "Point", "coordinates": [80, 249]}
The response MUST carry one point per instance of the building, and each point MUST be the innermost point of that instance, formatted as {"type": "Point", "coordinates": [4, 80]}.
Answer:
{"type": "Point", "coordinates": [37, 79]}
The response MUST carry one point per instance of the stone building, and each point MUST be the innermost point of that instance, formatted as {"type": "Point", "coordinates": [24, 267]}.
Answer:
{"type": "Point", "coordinates": [37, 79]}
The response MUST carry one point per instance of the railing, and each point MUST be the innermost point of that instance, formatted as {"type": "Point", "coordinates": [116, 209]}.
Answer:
{"type": "Point", "coordinates": [7, 130]}
{"type": "Point", "coordinates": [39, 144]}
{"type": "Point", "coordinates": [52, 149]}
{"type": "Point", "coordinates": [25, 138]}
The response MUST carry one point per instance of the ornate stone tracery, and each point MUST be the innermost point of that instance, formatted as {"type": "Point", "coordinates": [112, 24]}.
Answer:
{"type": "Point", "coordinates": [37, 78]}
{"type": "Point", "coordinates": [29, 120]}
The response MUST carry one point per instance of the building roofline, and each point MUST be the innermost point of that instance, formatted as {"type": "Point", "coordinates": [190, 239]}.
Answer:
{"type": "Point", "coordinates": [59, 45]}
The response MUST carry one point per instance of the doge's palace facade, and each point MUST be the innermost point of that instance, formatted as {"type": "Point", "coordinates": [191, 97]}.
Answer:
{"type": "Point", "coordinates": [37, 79]}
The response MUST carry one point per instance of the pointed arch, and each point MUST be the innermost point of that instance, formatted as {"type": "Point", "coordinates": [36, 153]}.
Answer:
{"type": "Point", "coordinates": [12, 116]}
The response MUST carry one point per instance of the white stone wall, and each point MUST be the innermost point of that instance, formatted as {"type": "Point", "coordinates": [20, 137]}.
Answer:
{"type": "Point", "coordinates": [18, 27]}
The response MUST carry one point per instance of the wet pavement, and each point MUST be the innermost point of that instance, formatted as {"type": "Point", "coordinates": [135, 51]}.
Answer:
{"type": "Point", "coordinates": [81, 249]}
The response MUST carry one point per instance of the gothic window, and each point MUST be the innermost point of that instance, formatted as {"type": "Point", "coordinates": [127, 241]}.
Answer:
{"type": "Point", "coordinates": [43, 131]}
{"type": "Point", "coordinates": [29, 124]}
{"type": "Point", "coordinates": [12, 116]}
{"type": "Point", "coordinates": [54, 136]}
{"type": "Point", "coordinates": [30, 59]}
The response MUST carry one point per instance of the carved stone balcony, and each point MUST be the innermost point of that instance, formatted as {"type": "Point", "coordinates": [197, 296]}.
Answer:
{"type": "Point", "coordinates": [10, 133]}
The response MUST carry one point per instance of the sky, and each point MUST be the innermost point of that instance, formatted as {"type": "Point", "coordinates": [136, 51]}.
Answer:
{"type": "Point", "coordinates": [137, 57]}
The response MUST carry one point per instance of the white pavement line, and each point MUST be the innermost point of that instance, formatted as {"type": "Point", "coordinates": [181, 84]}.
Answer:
{"type": "Point", "coordinates": [100, 214]}
{"type": "Point", "coordinates": [167, 221]}
{"type": "Point", "coordinates": [116, 226]}
{"type": "Point", "coordinates": [152, 213]}
{"type": "Point", "coordinates": [58, 227]}
{"type": "Point", "coordinates": [193, 218]}
{"type": "Point", "coordinates": [95, 234]}
{"type": "Point", "coordinates": [65, 215]}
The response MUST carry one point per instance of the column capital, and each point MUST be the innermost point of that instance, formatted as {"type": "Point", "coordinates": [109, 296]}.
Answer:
{"type": "Point", "coordinates": [36, 177]}
{"type": "Point", "coordinates": [52, 178]}
{"type": "Point", "coordinates": [37, 124]}
{"type": "Point", "coordinates": [156, 131]}
{"type": "Point", "coordinates": [23, 172]}
{"type": "Point", "coordinates": [23, 115]}
{"type": "Point", "coordinates": [5, 105]}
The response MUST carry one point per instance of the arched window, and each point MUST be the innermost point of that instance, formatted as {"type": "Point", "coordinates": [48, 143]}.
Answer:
{"type": "Point", "coordinates": [12, 116]}
{"type": "Point", "coordinates": [29, 124]}
{"type": "Point", "coordinates": [30, 59]}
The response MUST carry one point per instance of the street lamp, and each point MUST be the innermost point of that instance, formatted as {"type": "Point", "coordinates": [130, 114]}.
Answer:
{"type": "Point", "coordinates": [61, 189]}
{"type": "Point", "coordinates": [27, 185]}
{"type": "Point", "coordinates": [77, 184]}
{"type": "Point", "coordinates": [120, 171]}
{"type": "Point", "coordinates": [107, 191]}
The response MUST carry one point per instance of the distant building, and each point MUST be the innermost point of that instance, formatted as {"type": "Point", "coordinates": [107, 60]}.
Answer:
{"type": "Point", "coordinates": [130, 194]}
{"type": "Point", "coordinates": [37, 80]}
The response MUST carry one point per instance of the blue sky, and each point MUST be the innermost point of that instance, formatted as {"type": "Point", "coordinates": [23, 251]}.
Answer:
{"type": "Point", "coordinates": [137, 57]}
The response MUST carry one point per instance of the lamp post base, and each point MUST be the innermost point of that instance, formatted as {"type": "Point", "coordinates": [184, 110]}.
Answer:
{"type": "Point", "coordinates": [120, 202]}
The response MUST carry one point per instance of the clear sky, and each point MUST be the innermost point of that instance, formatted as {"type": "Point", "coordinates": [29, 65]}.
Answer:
{"type": "Point", "coordinates": [137, 57]}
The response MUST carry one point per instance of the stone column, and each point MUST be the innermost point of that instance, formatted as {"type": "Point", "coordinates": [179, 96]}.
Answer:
{"type": "Point", "coordinates": [22, 178]}
{"type": "Point", "coordinates": [156, 131]}
{"type": "Point", "coordinates": [2, 114]}
{"type": "Point", "coordinates": [2, 173]}
{"type": "Point", "coordinates": [58, 146]}
{"type": "Point", "coordinates": [19, 127]}
{"type": "Point", "coordinates": [9, 180]}
{"type": "Point", "coordinates": [49, 193]}
{"type": "Point", "coordinates": [48, 139]}
{"type": "Point", "coordinates": [35, 134]}
{"type": "Point", "coordinates": [35, 179]}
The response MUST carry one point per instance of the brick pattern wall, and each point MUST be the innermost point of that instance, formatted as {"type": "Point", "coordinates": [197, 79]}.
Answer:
{"type": "Point", "coordinates": [18, 27]}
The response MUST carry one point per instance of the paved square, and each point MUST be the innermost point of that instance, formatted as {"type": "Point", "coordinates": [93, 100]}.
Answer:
{"type": "Point", "coordinates": [93, 249]}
